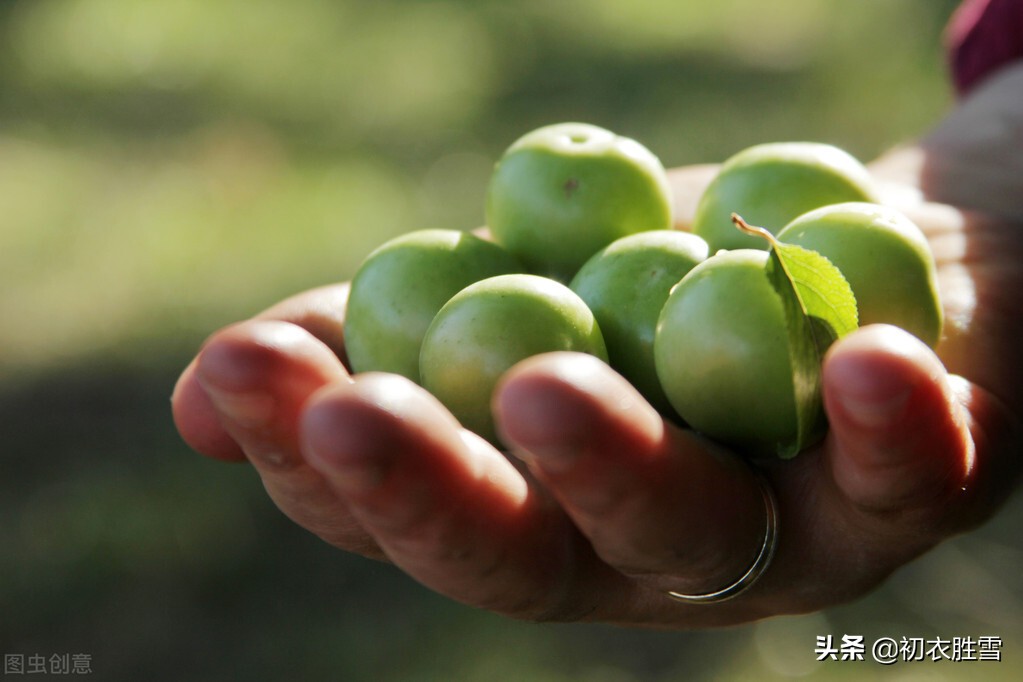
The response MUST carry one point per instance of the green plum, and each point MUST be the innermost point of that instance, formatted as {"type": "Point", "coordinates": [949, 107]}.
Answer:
{"type": "Point", "coordinates": [770, 184]}
{"type": "Point", "coordinates": [399, 288]}
{"type": "Point", "coordinates": [626, 284]}
{"type": "Point", "coordinates": [722, 353]}
{"type": "Point", "coordinates": [562, 192]}
{"type": "Point", "coordinates": [493, 324]}
{"type": "Point", "coordinates": [885, 258]}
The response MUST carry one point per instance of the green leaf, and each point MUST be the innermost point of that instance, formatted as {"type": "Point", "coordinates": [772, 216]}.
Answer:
{"type": "Point", "coordinates": [819, 308]}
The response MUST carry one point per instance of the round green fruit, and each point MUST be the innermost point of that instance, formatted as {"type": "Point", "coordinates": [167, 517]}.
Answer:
{"type": "Point", "coordinates": [625, 285]}
{"type": "Point", "coordinates": [399, 288]}
{"type": "Point", "coordinates": [722, 354]}
{"type": "Point", "coordinates": [771, 184]}
{"type": "Point", "coordinates": [561, 193]}
{"type": "Point", "coordinates": [885, 258]}
{"type": "Point", "coordinates": [493, 324]}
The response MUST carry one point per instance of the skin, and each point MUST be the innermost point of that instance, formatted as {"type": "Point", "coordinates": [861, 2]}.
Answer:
{"type": "Point", "coordinates": [612, 506]}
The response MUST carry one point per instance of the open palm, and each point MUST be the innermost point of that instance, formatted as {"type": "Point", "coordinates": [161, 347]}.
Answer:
{"type": "Point", "coordinates": [603, 507]}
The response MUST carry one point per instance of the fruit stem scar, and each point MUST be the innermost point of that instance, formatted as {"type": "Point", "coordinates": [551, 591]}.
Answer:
{"type": "Point", "coordinates": [571, 185]}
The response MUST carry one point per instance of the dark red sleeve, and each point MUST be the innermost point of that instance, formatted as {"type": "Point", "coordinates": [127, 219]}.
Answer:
{"type": "Point", "coordinates": [983, 36]}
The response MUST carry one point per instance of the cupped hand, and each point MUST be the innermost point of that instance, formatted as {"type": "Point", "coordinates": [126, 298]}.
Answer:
{"type": "Point", "coordinates": [603, 507]}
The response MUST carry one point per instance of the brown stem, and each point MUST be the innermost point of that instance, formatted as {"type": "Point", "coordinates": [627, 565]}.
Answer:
{"type": "Point", "coordinates": [753, 230]}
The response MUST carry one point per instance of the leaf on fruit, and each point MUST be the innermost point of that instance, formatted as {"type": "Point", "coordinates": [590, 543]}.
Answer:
{"type": "Point", "coordinates": [819, 308]}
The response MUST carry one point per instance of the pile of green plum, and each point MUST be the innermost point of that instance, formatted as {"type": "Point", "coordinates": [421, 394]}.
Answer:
{"type": "Point", "coordinates": [582, 255]}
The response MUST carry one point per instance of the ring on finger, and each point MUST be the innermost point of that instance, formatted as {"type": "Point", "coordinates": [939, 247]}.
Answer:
{"type": "Point", "coordinates": [759, 565]}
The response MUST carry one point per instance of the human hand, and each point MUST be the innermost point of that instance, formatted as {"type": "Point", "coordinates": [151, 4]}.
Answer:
{"type": "Point", "coordinates": [613, 507]}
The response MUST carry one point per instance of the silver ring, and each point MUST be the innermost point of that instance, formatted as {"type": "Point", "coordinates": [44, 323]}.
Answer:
{"type": "Point", "coordinates": [759, 565]}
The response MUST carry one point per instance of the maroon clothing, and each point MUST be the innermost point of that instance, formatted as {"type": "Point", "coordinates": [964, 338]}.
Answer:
{"type": "Point", "coordinates": [983, 36]}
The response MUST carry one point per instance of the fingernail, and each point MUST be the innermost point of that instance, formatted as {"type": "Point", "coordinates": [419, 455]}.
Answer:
{"type": "Point", "coordinates": [351, 472]}
{"type": "Point", "coordinates": [536, 446]}
{"type": "Point", "coordinates": [353, 460]}
{"type": "Point", "coordinates": [549, 457]}
{"type": "Point", "coordinates": [246, 409]}
{"type": "Point", "coordinates": [537, 442]}
{"type": "Point", "coordinates": [874, 402]}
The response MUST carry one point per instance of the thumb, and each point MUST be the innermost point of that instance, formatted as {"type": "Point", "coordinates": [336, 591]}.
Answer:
{"type": "Point", "coordinates": [899, 439]}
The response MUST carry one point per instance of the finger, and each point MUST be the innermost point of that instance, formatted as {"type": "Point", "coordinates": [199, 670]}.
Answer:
{"type": "Point", "coordinates": [687, 185]}
{"type": "Point", "coordinates": [319, 311]}
{"type": "Point", "coordinates": [258, 375]}
{"type": "Point", "coordinates": [653, 500]}
{"type": "Point", "coordinates": [900, 444]}
{"type": "Point", "coordinates": [197, 420]}
{"type": "Point", "coordinates": [997, 434]}
{"type": "Point", "coordinates": [905, 465]}
{"type": "Point", "coordinates": [444, 505]}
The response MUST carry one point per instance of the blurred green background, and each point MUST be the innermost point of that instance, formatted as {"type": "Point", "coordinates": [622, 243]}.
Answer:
{"type": "Point", "coordinates": [169, 167]}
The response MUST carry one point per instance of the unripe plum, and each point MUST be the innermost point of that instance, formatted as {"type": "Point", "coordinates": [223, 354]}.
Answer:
{"type": "Point", "coordinates": [722, 353]}
{"type": "Point", "coordinates": [625, 285]}
{"type": "Point", "coordinates": [770, 184]}
{"type": "Point", "coordinates": [562, 192]}
{"type": "Point", "coordinates": [885, 258]}
{"type": "Point", "coordinates": [493, 324]}
{"type": "Point", "coordinates": [399, 288]}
